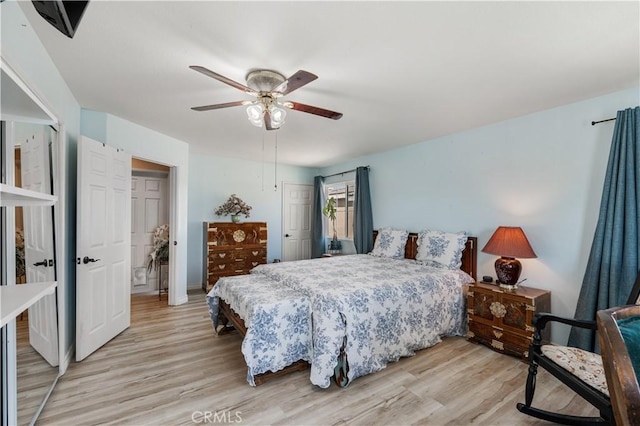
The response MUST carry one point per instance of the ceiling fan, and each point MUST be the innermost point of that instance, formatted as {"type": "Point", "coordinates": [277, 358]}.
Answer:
{"type": "Point", "coordinates": [268, 87]}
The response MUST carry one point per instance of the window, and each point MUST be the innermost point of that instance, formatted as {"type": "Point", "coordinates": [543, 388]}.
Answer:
{"type": "Point", "coordinates": [343, 193]}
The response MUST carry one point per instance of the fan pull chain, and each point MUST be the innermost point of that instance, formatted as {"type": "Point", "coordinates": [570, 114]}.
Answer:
{"type": "Point", "coordinates": [263, 161]}
{"type": "Point", "coordinates": [275, 174]}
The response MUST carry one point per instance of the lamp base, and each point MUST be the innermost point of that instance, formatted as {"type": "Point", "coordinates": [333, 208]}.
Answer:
{"type": "Point", "coordinates": [508, 271]}
{"type": "Point", "coordinates": [507, 286]}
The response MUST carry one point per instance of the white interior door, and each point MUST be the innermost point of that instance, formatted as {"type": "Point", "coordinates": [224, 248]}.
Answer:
{"type": "Point", "coordinates": [38, 242]}
{"type": "Point", "coordinates": [297, 208]}
{"type": "Point", "coordinates": [103, 264]}
{"type": "Point", "coordinates": [149, 209]}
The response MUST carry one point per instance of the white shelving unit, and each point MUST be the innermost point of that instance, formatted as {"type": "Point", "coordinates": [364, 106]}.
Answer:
{"type": "Point", "coordinates": [15, 299]}
{"type": "Point", "coordinates": [12, 196]}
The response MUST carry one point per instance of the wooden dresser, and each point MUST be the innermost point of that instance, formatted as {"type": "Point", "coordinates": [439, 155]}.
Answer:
{"type": "Point", "coordinates": [501, 319]}
{"type": "Point", "coordinates": [232, 249]}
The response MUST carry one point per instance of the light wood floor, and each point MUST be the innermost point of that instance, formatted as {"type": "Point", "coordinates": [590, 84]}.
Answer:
{"type": "Point", "coordinates": [34, 375]}
{"type": "Point", "coordinates": [169, 365]}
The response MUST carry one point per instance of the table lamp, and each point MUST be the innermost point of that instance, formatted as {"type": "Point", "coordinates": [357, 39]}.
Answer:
{"type": "Point", "coordinates": [509, 242]}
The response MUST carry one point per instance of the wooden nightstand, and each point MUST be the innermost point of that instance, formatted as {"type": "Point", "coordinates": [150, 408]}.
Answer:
{"type": "Point", "coordinates": [501, 319]}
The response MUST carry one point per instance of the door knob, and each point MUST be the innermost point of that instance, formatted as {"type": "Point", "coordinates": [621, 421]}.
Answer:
{"type": "Point", "coordinates": [88, 259]}
{"type": "Point", "coordinates": [43, 263]}
{"type": "Point", "coordinates": [287, 235]}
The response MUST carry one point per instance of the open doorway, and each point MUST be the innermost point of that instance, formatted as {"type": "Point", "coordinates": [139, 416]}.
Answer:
{"type": "Point", "coordinates": [150, 201]}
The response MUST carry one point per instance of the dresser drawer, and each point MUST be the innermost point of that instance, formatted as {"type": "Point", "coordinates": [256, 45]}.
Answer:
{"type": "Point", "coordinates": [221, 258]}
{"type": "Point", "coordinates": [225, 255]}
{"type": "Point", "coordinates": [245, 265]}
{"type": "Point", "coordinates": [256, 254]}
{"type": "Point", "coordinates": [500, 340]}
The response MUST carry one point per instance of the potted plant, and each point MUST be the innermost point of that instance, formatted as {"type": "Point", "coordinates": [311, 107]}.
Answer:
{"type": "Point", "coordinates": [234, 206]}
{"type": "Point", "coordinates": [329, 211]}
{"type": "Point", "coordinates": [160, 251]}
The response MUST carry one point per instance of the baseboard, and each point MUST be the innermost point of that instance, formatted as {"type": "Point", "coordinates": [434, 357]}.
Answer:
{"type": "Point", "coordinates": [182, 300]}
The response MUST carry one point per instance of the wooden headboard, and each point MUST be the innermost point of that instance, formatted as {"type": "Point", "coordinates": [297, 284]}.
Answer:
{"type": "Point", "coordinates": [469, 254]}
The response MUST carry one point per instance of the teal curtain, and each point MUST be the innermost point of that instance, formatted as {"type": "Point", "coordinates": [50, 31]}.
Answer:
{"type": "Point", "coordinates": [363, 217]}
{"type": "Point", "coordinates": [317, 232]}
{"type": "Point", "coordinates": [615, 255]}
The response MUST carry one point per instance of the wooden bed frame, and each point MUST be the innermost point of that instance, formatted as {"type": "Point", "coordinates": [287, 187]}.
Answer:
{"type": "Point", "coordinates": [227, 316]}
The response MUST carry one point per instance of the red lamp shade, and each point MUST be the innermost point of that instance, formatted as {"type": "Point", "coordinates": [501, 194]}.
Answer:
{"type": "Point", "coordinates": [509, 242]}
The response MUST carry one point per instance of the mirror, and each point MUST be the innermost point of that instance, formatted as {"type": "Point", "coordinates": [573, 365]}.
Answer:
{"type": "Point", "coordinates": [33, 132]}
{"type": "Point", "coordinates": [37, 328]}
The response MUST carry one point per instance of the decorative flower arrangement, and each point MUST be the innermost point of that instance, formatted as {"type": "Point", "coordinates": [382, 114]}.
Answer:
{"type": "Point", "coordinates": [20, 261]}
{"type": "Point", "coordinates": [160, 247]}
{"type": "Point", "coordinates": [234, 206]}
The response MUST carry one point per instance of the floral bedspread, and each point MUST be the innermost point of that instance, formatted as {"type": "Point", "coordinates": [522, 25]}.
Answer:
{"type": "Point", "coordinates": [386, 308]}
{"type": "Point", "coordinates": [278, 321]}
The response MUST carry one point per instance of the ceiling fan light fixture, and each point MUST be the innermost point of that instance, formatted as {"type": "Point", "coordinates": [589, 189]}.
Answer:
{"type": "Point", "coordinates": [278, 116]}
{"type": "Point", "coordinates": [255, 113]}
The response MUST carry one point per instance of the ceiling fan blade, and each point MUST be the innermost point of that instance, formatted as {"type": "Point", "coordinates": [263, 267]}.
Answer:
{"type": "Point", "coordinates": [219, 106]}
{"type": "Point", "coordinates": [313, 110]}
{"type": "Point", "coordinates": [294, 82]}
{"type": "Point", "coordinates": [222, 78]}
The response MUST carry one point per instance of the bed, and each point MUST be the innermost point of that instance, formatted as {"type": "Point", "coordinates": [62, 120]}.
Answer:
{"type": "Point", "coordinates": [274, 319]}
{"type": "Point", "coordinates": [366, 311]}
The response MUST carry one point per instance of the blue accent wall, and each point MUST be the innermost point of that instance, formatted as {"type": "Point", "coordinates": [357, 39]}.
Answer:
{"type": "Point", "coordinates": [543, 172]}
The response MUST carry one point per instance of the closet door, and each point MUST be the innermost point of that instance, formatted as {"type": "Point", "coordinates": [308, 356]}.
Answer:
{"type": "Point", "coordinates": [149, 210]}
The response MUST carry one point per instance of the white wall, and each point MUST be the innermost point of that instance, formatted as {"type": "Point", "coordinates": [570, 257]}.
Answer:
{"type": "Point", "coordinates": [543, 172]}
{"type": "Point", "coordinates": [153, 146]}
{"type": "Point", "coordinates": [213, 179]}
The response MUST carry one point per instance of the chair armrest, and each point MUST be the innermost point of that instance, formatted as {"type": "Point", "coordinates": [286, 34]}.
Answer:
{"type": "Point", "coordinates": [541, 319]}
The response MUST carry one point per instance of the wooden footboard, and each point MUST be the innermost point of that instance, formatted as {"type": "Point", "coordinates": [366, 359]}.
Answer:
{"type": "Point", "coordinates": [227, 315]}
{"type": "Point", "coordinates": [229, 320]}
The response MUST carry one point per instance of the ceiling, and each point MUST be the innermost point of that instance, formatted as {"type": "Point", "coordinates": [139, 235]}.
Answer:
{"type": "Point", "coordinates": [401, 72]}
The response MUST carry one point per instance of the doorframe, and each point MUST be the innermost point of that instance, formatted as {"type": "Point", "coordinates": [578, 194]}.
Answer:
{"type": "Point", "coordinates": [147, 145]}
{"type": "Point", "coordinates": [174, 297]}
{"type": "Point", "coordinates": [159, 175]}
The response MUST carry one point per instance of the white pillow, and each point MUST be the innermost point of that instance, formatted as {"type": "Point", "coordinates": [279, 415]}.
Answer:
{"type": "Point", "coordinates": [390, 243]}
{"type": "Point", "coordinates": [441, 249]}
